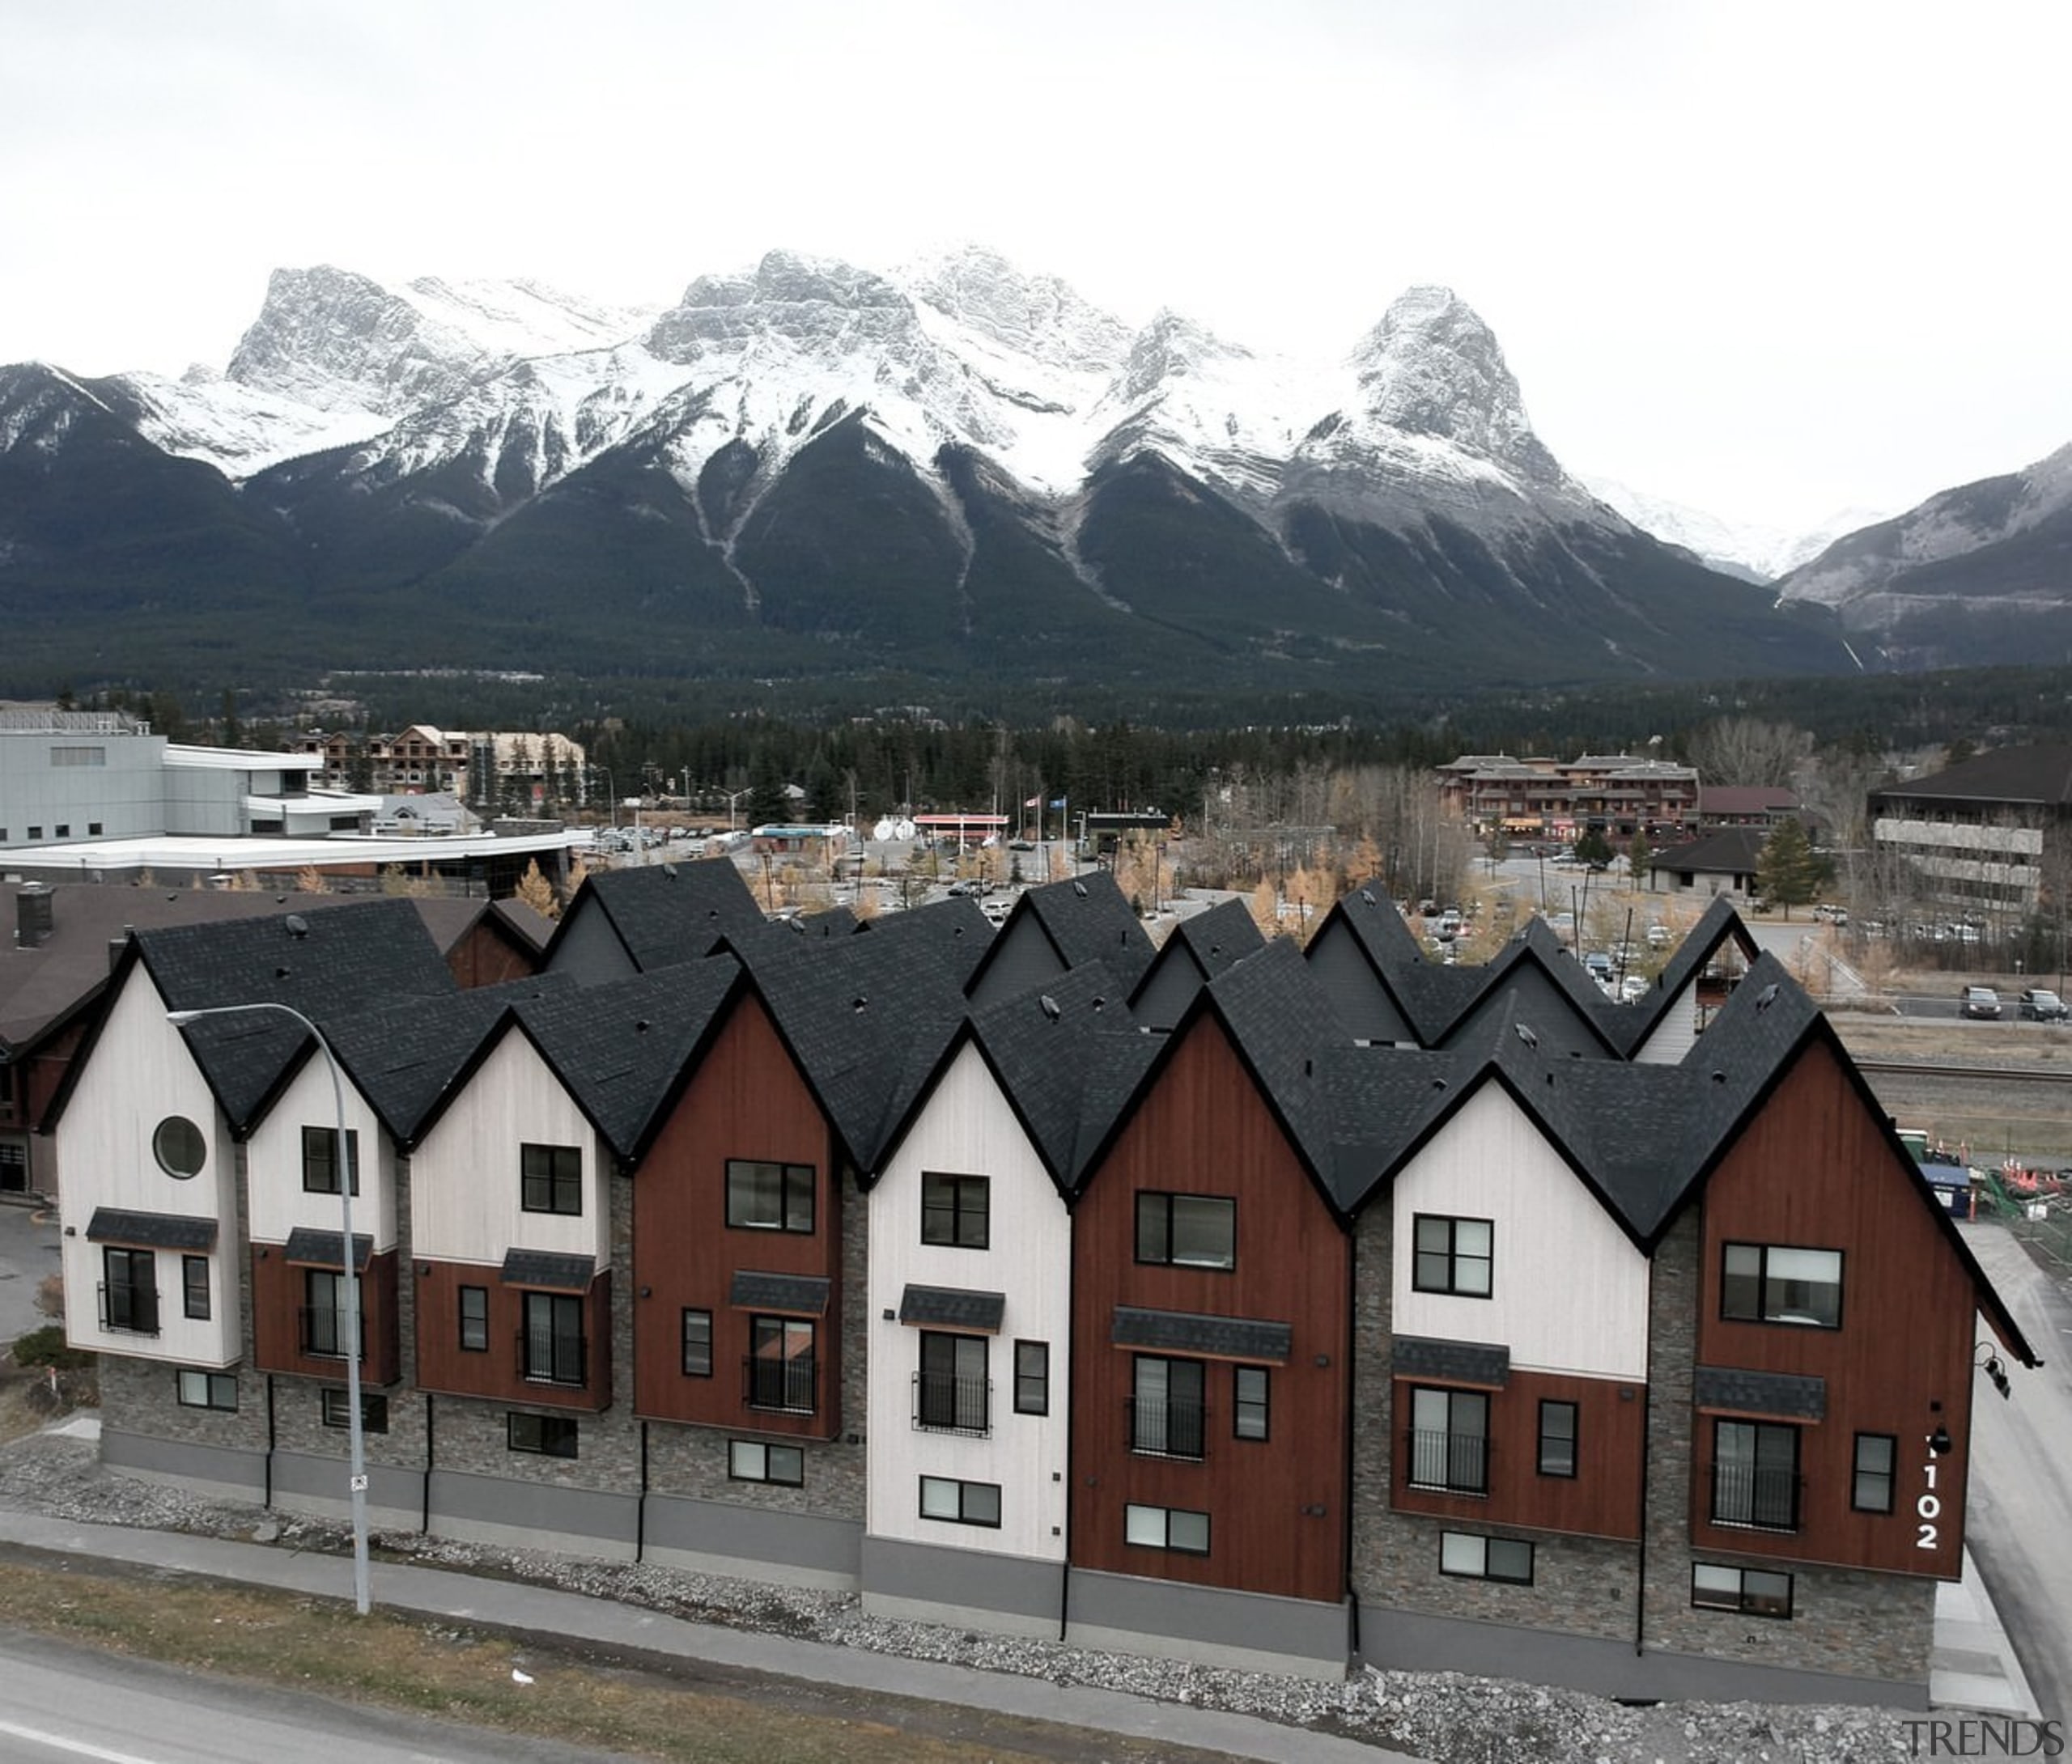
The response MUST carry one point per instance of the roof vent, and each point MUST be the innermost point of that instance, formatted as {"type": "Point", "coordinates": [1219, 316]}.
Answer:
{"type": "Point", "coordinates": [1050, 1006]}
{"type": "Point", "coordinates": [1719, 1078]}
{"type": "Point", "coordinates": [859, 1002]}
{"type": "Point", "coordinates": [1080, 889]}
{"type": "Point", "coordinates": [1367, 896]}
{"type": "Point", "coordinates": [1099, 1002]}
{"type": "Point", "coordinates": [282, 974]}
{"type": "Point", "coordinates": [640, 1024]}
{"type": "Point", "coordinates": [33, 917]}
{"type": "Point", "coordinates": [670, 870]}
{"type": "Point", "coordinates": [1438, 1083]}
{"type": "Point", "coordinates": [1525, 1035]}
{"type": "Point", "coordinates": [296, 925]}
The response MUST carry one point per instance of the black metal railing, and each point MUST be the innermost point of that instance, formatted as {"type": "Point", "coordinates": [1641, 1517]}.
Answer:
{"type": "Point", "coordinates": [322, 1331]}
{"type": "Point", "coordinates": [132, 1308]}
{"type": "Point", "coordinates": [944, 1403]}
{"type": "Point", "coordinates": [786, 1384]}
{"type": "Point", "coordinates": [555, 1359]}
{"type": "Point", "coordinates": [1458, 1463]}
{"type": "Point", "coordinates": [1762, 1499]}
{"type": "Point", "coordinates": [1168, 1427]}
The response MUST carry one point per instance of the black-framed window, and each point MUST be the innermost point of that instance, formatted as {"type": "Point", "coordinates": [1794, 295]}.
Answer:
{"type": "Point", "coordinates": [551, 1179]}
{"type": "Point", "coordinates": [1756, 1475]}
{"type": "Point", "coordinates": [961, 1503]}
{"type": "Point", "coordinates": [1449, 1439]}
{"type": "Point", "coordinates": [1454, 1255]}
{"type": "Point", "coordinates": [554, 1351]}
{"type": "Point", "coordinates": [956, 1210]}
{"type": "Point", "coordinates": [320, 1159]}
{"type": "Point", "coordinates": [1876, 1461]}
{"type": "Point", "coordinates": [178, 1146]}
{"type": "Point", "coordinates": [1252, 1391]}
{"type": "Point", "coordinates": [1748, 1592]}
{"type": "Point", "coordinates": [324, 1313]}
{"type": "Point", "coordinates": [769, 1196]}
{"type": "Point", "coordinates": [129, 1289]}
{"type": "Point", "coordinates": [1471, 1556]}
{"type": "Point", "coordinates": [781, 1363]}
{"type": "Point", "coordinates": [755, 1460]}
{"type": "Point", "coordinates": [1557, 1438]}
{"type": "Point", "coordinates": [547, 1436]}
{"type": "Point", "coordinates": [474, 1319]}
{"type": "Point", "coordinates": [207, 1390]}
{"type": "Point", "coordinates": [1781, 1283]}
{"type": "Point", "coordinates": [338, 1410]}
{"type": "Point", "coordinates": [1168, 1408]}
{"type": "Point", "coordinates": [952, 1392]}
{"type": "Point", "coordinates": [1177, 1528]}
{"type": "Point", "coordinates": [696, 1343]}
{"type": "Point", "coordinates": [1032, 1378]}
{"type": "Point", "coordinates": [1187, 1230]}
{"type": "Point", "coordinates": [194, 1287]}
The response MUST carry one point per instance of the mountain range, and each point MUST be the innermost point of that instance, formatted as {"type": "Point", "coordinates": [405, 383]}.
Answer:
{"type": "Point", "coordinates": [955, 472]}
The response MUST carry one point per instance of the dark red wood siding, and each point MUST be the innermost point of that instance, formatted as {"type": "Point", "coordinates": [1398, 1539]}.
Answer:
{"type": "Point", "coordinates": [279, 1292]}
{"type": "Point", "coordinates": [497, 1371]}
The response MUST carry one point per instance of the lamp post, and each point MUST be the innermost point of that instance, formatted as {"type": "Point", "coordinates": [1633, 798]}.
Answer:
{"type": "Point", "coordinates": [355, 1434]}
{"type": "Point", "coordinates": [732, 797]}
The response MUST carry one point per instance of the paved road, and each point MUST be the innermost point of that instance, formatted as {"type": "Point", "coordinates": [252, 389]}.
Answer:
{"type": "Point", "coordinates": [2020, 1524]}
{"type": "Point", "coordinates": [28, 1251]}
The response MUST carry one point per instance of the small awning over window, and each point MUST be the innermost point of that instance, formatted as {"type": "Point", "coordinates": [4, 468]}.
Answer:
{"type": "Point", "coordinates": [1454, 1362]}
{"type": "Point", "coordinates": [953, 1308]}
{"type": "Point", "coordinates": [151, 1231]}
{"type": "Point", "coordinates": [320, 1248]}
{"type": "Point", "coordinates": [1184, 1332]}
{"type": "Point", "coordinates": [794, 1295]}
{"type": "Point", "coordinates": [557, 1274]}
{"type": "Point", "coordinates": [1728, 1388]}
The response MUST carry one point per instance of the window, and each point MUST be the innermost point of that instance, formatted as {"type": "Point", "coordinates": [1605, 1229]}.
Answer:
{"type": "Point", "coordinates": [952, 1393]}
{"type": "Point", "coordinates": [320, 1159]}
{"type": "Point", "coordinates": [1032, 1378]}
{"type": "Point", "coordinates": [373, 1410]}
{"type": "Point", "coordinates": [1475, 1557]}
{"type": "Point", "coordinates": [552, 1179]}
{"type": "Point", "coordinates": [1187, 1230]}
{"type": "Point", "coordinates": [1756, 1475]}
{"type": "Point", "coordinates": [769, 1196]}
{"type": "Point", "coordinates": [1764, 1283]}
{"type": "Point", "coordinates": [208, 1390]}
{"type": "Point", "coordinates": [1166, 1528]}
{"type": "Point", "coordinates": [1250, 1386]}
{"type": "Point", "coordinates": [1751, 1592]}
{"type": "Point", "coordinates": [750, 1460]}
{"type": "Point", "coordinates": [194, 1286]}
{"type": "Point", "coordinates": [1557, 1439]}
{"type": "Point", "coordinates": [79, 756]}
{"type": "Point", "coordinates": [93, 829]}
{"type": "Point", "coordinates": [324, 1313]}
{"type": "Point", "coordinates": [129, 1290]}
{"type": "Point", "coordinates": [474, 1319]}
{"type": "Point", "coordinates": [1166, 1410]}
{"type": "Point", "coordinates": [555, 1351]}
{"type": "Point", "coordinates": [955, 1210]}
{"type": "Point", "coordinates": [780, 1365]}
{"type": "Point", "coordinates": [961, 1503]}
{"type": "Point", "coordinates": [548, 1436]}
{"type": "Point", "coordinates": [63, 831]}
{"type": "Point", "coordinates": [1871, 1489]}
{"type": "Point", "coordinates": [1453, 1255]}
{"type": "Point", "coordinates": [1450, 1440]}
{"type": "Point", "coordinates": [697, 1344]}
{"type": "Point", "coordinates": [178, 1146]}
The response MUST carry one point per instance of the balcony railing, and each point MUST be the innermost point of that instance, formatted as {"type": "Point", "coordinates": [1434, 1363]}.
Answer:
{"type": "Point", "coordinates": [555, 1359]}
{"type": "Point", "coordinates": [1454, 1463]}
{"type": "Point", "coordinates": [1168, 1427]}
{"type": "Point", "coordinates": [322, 1331]}
{"type": "Point", "coordinates": [1759, 1498]}
{"type": "Point", "coordinates": [785, 1385]}
{"type": "Point", "coordinates": [944, 1403]}
{"type": "Point", "coordinates": [135, 1309]}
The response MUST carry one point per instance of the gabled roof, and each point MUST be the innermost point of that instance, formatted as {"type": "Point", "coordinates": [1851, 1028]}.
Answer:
{"type": "Point", "coordinates": [1201, 946]}
{"type": "Point", "coordinates": [1728, 851]}
{"type": "Point", "coordinates": [665, 914]}
{"type": "Point", "coordinates": [1083, 918]}
{"type": "Point", "coordinates": [1380, 933]}
{"type": "Point", "coordinates": [2039, 777]}
{"type": "Point", "coordinates": [1718, 924]}
{"type": "Point", "coordinates": [1565, 1007]}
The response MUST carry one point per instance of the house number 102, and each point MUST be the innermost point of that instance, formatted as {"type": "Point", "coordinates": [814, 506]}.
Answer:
{"type": "Point", "coordinates": [1929, 1508]}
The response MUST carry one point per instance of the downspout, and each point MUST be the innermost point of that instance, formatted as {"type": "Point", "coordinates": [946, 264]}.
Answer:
{"type": "Point", "coordinates": [640, 1506]}
{"type": "Point", "coordinates": [1071, 1409]}
{"type": "Point", "coordinates": [273, 1442]}
{"type": "Point", "coordinates": [1647, 1420]}
{"type": "Point", "coordinates": [1351, 1385]}
{"type": "Point", "coordinates": [424, 1523]}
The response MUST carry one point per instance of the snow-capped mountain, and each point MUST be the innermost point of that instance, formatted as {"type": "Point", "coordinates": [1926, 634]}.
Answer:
{"type": "Point", "coordinates": [954, 463]}
{"type": "Point", "coordinates": [1746, 548]}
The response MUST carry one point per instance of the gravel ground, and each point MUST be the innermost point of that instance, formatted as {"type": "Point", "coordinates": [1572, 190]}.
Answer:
{"type": "Point", "coordinates": [1446, 1717]}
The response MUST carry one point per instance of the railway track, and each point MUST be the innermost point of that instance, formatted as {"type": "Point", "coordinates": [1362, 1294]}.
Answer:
{"type": "Point", "coordinates": [1994, 1074]}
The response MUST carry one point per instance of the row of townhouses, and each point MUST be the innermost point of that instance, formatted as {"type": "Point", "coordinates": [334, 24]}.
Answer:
{"type": "Point", "coordinates": [1264, 1307]}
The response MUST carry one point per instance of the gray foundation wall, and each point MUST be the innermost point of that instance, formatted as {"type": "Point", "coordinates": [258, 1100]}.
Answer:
{"type": "Point", "coordinates": [928, 1584]}
{"type": "Point", "coordinates": [1246, 1631]}
{"type": "Point", "coordinates": [751, 1543]}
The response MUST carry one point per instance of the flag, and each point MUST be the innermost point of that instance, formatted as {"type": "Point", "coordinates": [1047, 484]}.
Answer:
{"type": "Point", "coordinates": [1033, 801]}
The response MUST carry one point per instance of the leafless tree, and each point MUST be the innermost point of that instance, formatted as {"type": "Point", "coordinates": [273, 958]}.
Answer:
{"type": "Point", "coordinates": [1747, 751]}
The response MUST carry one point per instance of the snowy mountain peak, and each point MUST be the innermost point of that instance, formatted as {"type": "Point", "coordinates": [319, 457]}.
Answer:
{"type": "Point", "coordinates": [817, 303]}
{"type": "Point", "coordinates": [1035, 316]}
{"type": "Point", "coordinates": [1432, 367]}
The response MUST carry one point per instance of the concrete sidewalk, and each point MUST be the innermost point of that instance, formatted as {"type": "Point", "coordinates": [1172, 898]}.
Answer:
{"type": "Point", "coordinates": [511, 1605]}
{"type": "Point", "coordinates": [1974, 1665]}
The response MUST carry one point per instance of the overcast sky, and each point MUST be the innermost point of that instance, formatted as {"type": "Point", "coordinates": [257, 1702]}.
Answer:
{"type": "Point", "coordinates": [1770, 259]}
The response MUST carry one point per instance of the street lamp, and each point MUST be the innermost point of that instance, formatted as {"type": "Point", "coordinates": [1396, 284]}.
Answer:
{"type": "Point", "coordinates": [355, 1433]}
{"type": "Point", "coordinates": [732, 797]}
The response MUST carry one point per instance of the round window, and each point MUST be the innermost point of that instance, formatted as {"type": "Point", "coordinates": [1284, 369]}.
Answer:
{"type": "Point", "coordinates": [178, 1147]}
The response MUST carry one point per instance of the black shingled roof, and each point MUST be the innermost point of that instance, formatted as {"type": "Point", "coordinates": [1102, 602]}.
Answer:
{"type": "Point", "coordinates": [665, 914]}
{"type": "Point", "coordinates": [1085, 918]}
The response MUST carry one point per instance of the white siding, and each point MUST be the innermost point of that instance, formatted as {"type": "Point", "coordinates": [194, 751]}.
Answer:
{"type": "Point", "coordinates": [465, 1187]}
{"type": "Point", "coordinates": [1675, 1033]}
{"type": "Point", "coordinates": [275, 1201]}
{"type": "Point", "coordinates": [139, 1073]}
{"type": "Point", "coordinates": [1569, 1291]}
{"type": "Point", "coordinates": [968, 1130]}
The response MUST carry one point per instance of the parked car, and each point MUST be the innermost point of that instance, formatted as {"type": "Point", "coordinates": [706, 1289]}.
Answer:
{"type": "Point", "coordinates": [1633, 989]}
{"type": "Point", "coordinates": [1599, 965]}
{"type": "Point", "coordinates": [1658, 936]}
{"type": "Point", "coordinates": [2041, 1004]}
{"type": "Point", "coordinates": [1980, 1002]}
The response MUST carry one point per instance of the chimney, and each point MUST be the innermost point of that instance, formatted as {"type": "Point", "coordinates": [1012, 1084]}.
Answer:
{"type": "Point", "coordinates": [33, 915]}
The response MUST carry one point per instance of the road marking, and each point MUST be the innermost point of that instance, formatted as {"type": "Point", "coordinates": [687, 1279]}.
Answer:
{"type": "Point", "coordinates": [58, 1742]}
